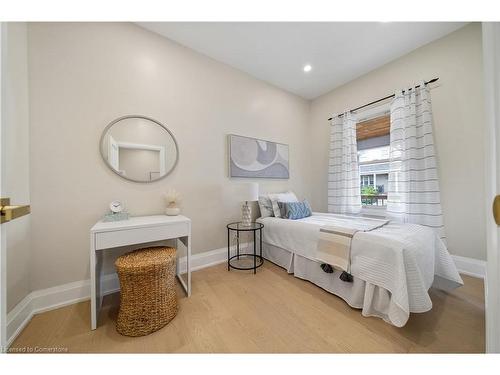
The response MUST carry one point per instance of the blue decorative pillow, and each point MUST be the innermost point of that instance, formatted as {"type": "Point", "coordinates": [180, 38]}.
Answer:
{"type": "Point", "coordinates": [295, 210]}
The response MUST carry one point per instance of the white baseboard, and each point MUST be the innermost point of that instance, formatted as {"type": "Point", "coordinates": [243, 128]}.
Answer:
{"type": "Point", "coordinates": [470, 266]}
{"type": "Point", "coordinates": [204, 260]}
{"type": "Point", "coordinates": [63, 295]}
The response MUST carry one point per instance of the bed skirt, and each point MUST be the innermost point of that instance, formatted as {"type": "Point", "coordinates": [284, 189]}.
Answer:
{"type": "Point", "coordinates": [371, 299]}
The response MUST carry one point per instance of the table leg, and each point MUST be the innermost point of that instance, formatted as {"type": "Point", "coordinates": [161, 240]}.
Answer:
{"type": "Point", "coordinates": [260, 238]}
{"type": "Point", "coordinates": [228, 247]}
{"type": "Point", "coordinates": [189, 265]}
{"type": "Point", "coordinates": [177, 256]}
{"type": "Point", "coordinates": [238, 243]}
{"type": "Point", "coordinates": [254, 253]}
{"type": "Point", "coordinates": [186, 284]}
{"type": "Point", "coordinates": [93, 285]}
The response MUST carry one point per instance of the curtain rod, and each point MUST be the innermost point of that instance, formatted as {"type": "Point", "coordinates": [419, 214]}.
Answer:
{"type": "Point", "coordinates": [382, 99]}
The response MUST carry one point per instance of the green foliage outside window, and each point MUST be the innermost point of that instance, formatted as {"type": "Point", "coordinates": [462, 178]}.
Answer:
{"type": "Point", "coordinates": [369, 190]}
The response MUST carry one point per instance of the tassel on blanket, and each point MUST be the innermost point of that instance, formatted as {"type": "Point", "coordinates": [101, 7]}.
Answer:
{"type": "Point", "coordinates": [327, 268]}
{"type": "Point", "coordinates": [346, 277]}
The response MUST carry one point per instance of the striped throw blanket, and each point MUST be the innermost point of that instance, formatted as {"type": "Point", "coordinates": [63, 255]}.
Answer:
{"type": "Point", "coordinates": [334, 244]}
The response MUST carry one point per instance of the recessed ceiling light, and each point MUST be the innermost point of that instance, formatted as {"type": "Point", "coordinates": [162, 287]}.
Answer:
{"type": "Point", "coordinates": [307, 68]}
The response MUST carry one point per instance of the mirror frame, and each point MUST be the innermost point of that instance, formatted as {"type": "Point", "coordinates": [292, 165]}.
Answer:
{"type": "Point", "coordinates": [110, 125]}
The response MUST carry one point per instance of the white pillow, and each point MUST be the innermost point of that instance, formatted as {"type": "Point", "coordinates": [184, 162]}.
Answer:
{"type": "Point", "coordinates": [265, 206]}
{"type": "Point", "coordinates": [289, 196]}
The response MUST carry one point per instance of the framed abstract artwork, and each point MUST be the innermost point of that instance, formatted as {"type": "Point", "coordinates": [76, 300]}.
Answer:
{"type": "Point", "coordinates": [256, 158]}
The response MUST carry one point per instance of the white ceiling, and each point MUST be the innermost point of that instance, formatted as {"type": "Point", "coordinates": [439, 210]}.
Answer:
{"type": "Point", "coordinates": [277, 52]}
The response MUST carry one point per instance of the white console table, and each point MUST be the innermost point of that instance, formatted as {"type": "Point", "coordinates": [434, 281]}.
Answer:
{"type": "Point", "coordinates": [106, 236]}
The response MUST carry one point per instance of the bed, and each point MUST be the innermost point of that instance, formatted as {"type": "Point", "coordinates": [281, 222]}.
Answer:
{"type": "Point", "coordinates": [393, 267]}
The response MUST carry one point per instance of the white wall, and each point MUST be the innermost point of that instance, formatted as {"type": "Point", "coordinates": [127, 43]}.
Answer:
{"type": "Point", "coordinates": [82, 76]}
{"type": "Point", "coordinates": [16, 163]}
{"type": "Point", "coordinates": [458, 122]}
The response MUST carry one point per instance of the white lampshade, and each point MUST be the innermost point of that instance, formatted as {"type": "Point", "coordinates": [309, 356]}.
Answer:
{"type": "Point", "coordinates": [249, 192]}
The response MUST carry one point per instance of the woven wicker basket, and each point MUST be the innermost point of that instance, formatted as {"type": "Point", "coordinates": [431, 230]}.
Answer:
{"type": "Point", "coordinates": [148, 299]}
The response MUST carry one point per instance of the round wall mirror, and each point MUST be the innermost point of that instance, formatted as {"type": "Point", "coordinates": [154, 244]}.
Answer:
{"type": "Point", "coordinates": [139, 148]}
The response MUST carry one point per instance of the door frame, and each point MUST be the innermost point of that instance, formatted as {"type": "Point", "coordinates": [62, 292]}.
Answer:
{"type": "Point", "coordinates": [491, 78]}
{"type": "Point", "coordinates": [3, 247]}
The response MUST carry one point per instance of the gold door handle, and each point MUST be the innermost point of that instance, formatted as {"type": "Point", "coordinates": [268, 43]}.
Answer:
{"type": "Point", "coordinates": [496, 209]}
{"type": "Point", "coordinates": [10, 212]}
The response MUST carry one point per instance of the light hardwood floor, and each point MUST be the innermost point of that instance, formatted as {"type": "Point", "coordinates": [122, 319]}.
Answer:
{"type": "Point", "coordinates": [270, 312]}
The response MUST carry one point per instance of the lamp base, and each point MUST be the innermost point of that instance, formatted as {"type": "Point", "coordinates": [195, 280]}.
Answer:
{"type": "Point", "coordinates": [246, 215]}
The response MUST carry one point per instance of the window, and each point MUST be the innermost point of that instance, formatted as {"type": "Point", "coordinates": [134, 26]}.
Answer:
{"type": "Point", "coordinates": [367, 180]}
{"type": "Point", "coordinates": [373, 156]}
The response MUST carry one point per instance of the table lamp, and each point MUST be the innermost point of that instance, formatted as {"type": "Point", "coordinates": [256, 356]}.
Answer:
{"type": "Point", "coordinates": [249, 193]}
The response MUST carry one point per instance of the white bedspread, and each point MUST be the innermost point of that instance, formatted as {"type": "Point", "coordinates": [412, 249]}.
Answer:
{"type": "Point", "coordinates": [405, 259]}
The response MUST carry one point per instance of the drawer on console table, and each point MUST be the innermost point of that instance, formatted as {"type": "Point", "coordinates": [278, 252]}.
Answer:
{"type": "Point", "coordinates": [123, 237]}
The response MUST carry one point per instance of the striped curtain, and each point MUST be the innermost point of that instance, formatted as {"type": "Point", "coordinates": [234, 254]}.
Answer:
{"type": "Point", "coordinates": [344, 195]}
{"type": "Point", "coordinates": [413, 195]}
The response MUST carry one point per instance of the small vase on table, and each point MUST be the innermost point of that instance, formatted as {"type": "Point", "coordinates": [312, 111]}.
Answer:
{"type": "Point", "coordinates": [172, 198]}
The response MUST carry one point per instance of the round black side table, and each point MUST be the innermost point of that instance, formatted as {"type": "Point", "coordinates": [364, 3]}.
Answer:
{"type": "Point", "coordinates": [239, 227]}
